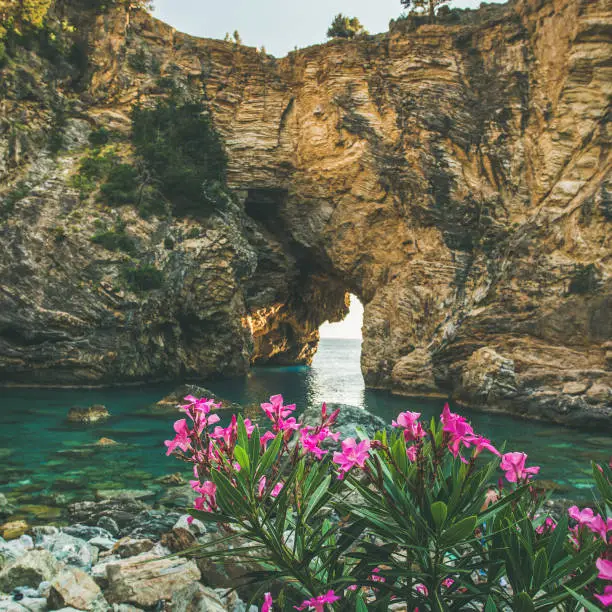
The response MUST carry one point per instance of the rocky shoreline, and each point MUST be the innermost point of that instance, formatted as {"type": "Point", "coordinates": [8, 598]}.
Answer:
{"type": "Point", "coordinates": [114, 556]}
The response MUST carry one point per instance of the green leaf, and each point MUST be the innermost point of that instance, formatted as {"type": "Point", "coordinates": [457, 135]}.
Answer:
{"type": "Point", "coordinates": [459, 532]}
{"type": "Point", "coordinates": [243, 459]}
{"type": "Point", "coordinates": [540, 570]}
{"type": "Point", "coordinates": [490, 607]}
{"type": "Point", "coordinates": [439, 511]}
{"type": "Point", "coordinates": [270, 456]}
{"type": "Point", "coordinates": [316, 497]}
{"type": "Point", "coordinates": [228, 497]}
{"type": "Point", "coordinates": [361, 605]}
{"type": "Point", "coordinates": [557, 541]}
{"type": "Point", "coordinates": [523, 603]}
{"type": "Point", "coordinates": [585, 602]}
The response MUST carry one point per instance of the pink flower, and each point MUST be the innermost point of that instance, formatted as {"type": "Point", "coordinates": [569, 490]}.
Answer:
{"type": "Point", "coordinates": [181, 440]}
{"type": "Point", "coordinates": [312, 437]}
{"type": "Point", "coordinates": [606, 598]}
{"type": "Point", "coordinates": [481, 444]}
{"type": "Point", "coordinates": [605, 569]}
{"type": "Point", "coordinates": [548, 526]}
{"type": "Point", "coordinates": [249, 427]}
{"type": "Point", "coordinates": [261, 487]}
{"type": "Point", "coordinates": [412, 453]}
{"type": "Point", "coordinates": [353, 454]}
{"type": "Point", "coordinates": [318, 603]}
{"type": "Point", "coordinates": [422, 589]}
{"type": "Point", "coordinates": [413, 430]}
{"type": "Point", "coordinates": [459, 430]}
{"type": "Point", "coordinates": [448, 583]}
{"type": "Point", "coordinates": [266, 438]}
{"type": "Point", "coordinates": [375, 576]}
{"type": "Point", "coordinates": [208, 491]}
{"type": "Point", "coordinates": [582, 517]}
{"type": "Point", "coordinates": [598, 527]}
{"type": "Point", "coordinates": [594, 522]}
{"type": "Point", "coordinates": [227, 434]}
{"type": "Point", "coordinates": [267, 604]}
{"type": "Point", "coordinates": [514, 466]}
{"type": "Point", "coordinates": [275, 410]}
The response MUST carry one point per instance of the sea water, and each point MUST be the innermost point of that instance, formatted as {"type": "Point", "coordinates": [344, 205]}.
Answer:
{"type": "Point", "coordinates": [46, 463]}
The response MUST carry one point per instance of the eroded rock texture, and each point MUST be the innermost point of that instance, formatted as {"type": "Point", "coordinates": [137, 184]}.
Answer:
{"type": "Point", "coordinates": [456, 179]}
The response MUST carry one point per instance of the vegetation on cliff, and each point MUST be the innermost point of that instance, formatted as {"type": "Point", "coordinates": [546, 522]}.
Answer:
{"type": "Point", "coordinates": [184, 153]}
{"type": "Point", "coordinates": [345, 27]}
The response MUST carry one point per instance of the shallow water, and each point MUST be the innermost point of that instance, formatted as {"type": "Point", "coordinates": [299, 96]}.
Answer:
{"type": "Point", "coordinates": [47, 463]}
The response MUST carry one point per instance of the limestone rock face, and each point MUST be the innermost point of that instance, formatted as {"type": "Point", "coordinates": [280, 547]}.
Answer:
{"type": "Point", "coordinates": [488, 377]}
{"type": "Point", "coordinates": [455, 178]}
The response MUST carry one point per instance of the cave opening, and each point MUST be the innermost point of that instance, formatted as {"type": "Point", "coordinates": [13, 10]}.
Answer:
{"type": "Point", "coordinates": [349, 328]}
{"type": "Point", "coordinates": [296, 296]}
{"type": "Point", "coordinates": [265, 205]}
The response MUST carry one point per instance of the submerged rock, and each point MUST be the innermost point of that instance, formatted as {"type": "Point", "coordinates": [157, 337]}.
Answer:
{"type": "Point", "coordinates": [13, 529]}
{"type": "Point", "coordinates": [87, 416]}
{"type": "Point", "coordinates": [171, 402]}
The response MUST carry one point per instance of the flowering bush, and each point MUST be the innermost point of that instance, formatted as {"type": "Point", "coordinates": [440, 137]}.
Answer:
{"type": "Point", "coordinates": [410, 518]}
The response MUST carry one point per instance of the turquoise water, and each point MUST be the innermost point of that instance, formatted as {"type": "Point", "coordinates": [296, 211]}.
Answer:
{"type": "Point", "coordinates": [47, 463]}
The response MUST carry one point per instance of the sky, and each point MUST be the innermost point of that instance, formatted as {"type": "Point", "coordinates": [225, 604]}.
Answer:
{"type": "Point", "coordinates": [279, 25]}
{"type": "Point", "coordinates": [350, 327]}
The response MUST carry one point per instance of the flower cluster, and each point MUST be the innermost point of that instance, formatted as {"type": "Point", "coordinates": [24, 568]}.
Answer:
{"type": "Point", "coordinates": [588, 521]}
{"type": "Point", "coordinates": [244, 460]}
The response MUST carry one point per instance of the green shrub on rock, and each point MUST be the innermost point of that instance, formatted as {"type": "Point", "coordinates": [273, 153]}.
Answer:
{"type": "Point", "coordinates": [144, 277]}
{"type": "Point", "coordinates": [181, 148]}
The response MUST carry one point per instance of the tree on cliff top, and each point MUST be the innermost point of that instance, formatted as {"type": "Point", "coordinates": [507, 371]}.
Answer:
{"type": "Point", "coordinates": [428, 6]}
{"type": "Point", "coordinates": [16, 16]}
{"type": "Point", "coordinates": [345, 27]}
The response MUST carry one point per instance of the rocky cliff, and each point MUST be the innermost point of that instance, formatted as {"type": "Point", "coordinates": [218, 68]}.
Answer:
{"type": "Point", "coordinates": [455, 178]}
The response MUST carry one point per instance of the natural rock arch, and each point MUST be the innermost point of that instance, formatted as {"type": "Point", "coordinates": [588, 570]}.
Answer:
{"type": "Point", "coordinates": [455, 178]}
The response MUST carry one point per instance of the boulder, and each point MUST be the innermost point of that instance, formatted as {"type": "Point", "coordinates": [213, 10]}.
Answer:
{"type": "Point", "coordinates": [178, 540]}
{"type": "Point", "coordinates": [599, 393]}
{"type": "Point", "coordinates": [130, 547]}
{"type": "Point", "coordinates": [72, 551]}
{"type": "Point", "coordinates": [124, 494]}
{"type": "Point", "coordinates": [11, 551]}
{"type": "Point", "coordinates": [87, 416]}
{"type": "Point", "coordinates": [197, 598]}
{"type": "Point", "coordinates": [145, 579]}
{"type": "Point", "coordinates": [74, 588]}
{"type": "Point", "coordinates": [32, 568]}
{"type": "Point", "coordinates": [106, 442]}
{"type": "Point", "coordinates": [26, 604]}
{"type": "Point", "coordinates": [487, 377]}
{"type": "Point", "coordinates": [86, 532]}
{"type": "Point", "coordinates": [194, 526]}
{"type": "Point", "coordinates": [102, 543]}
